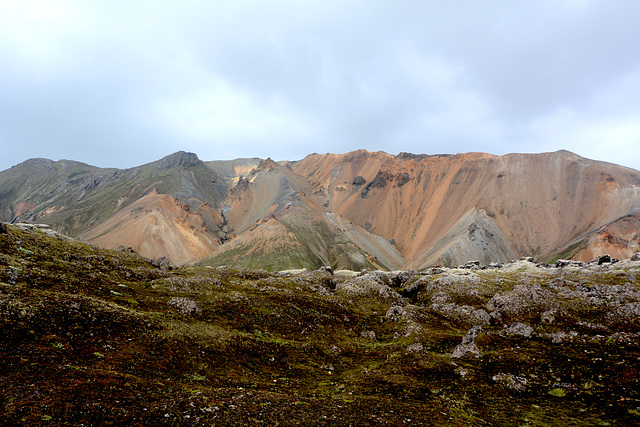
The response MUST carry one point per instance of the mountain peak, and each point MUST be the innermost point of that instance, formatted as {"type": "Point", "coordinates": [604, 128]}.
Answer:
{"type": "Point", "coordinates": [39, 164]}
{"type": "Point", "coordinates": [268, 164]}
{"type": "Point", "coordinates": [179, 159]}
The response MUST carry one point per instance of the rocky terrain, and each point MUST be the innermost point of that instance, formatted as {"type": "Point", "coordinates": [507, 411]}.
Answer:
{"type": "Point", "coordinates": [94, 336]}
{"type": "Point", "coordinates": [349, 211]}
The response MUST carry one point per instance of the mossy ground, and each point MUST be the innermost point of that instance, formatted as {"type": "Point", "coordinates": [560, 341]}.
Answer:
{"type": "Point", "coordinates": [87, 337]}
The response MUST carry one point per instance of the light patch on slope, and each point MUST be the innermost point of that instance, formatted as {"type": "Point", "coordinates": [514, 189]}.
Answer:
{"type": "Point", "coordinates": [473, 237]}
{"type": "Point", "coordinates": [367, 242]}
{"type": "Point", "coordinates": [156, 225]}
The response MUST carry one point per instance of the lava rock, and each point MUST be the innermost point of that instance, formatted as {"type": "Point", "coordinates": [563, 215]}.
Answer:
{"type": "Point", "coordinates": [511, 381]}
{"type": "Point", "coordinates": [467, 348]}
{"type": "Point", "coordinates": [604, 259]}
{"type": "Point", "coordinates": [368, 334]}
{"type": "Point", "coordinates": [519, 329]}
{"type": "Point", "coordinates": [415, 348]}
{"type": "Point", "coordinates": [463, 313]}
{"type": "Point", "coordinates": [561, 263]}
{"type": "Point", "coordinates": [471, 265]}
{"type": "Point", "coordinates": [162, 263]}
{"type": "Point", "coordinates": [522, 302]}
{"type": "Point", "coordinates": [185, 305]}
{"type": "Point", "coordinates": [394, 312]}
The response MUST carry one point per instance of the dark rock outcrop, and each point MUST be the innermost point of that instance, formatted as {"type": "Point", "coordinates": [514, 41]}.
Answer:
{"type": "Point", "coordinates": [604, 259]}
{"type": "Point", "coordinates": [379, 181]}
{"type": "Point", "coordinates": [179, 159]}
{"type": "Point", "coordinates": [402, 178]}
{"type": "Point", "coordinates": [161, 263]}
{"type": "Point", "coordinates": [358, 180]}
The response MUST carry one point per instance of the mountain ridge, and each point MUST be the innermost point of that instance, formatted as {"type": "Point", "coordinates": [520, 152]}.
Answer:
{"type": "Point", "coordinates": [353, 210]}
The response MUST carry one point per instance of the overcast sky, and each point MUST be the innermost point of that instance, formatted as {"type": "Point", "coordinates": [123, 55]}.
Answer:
{"type": "Point", "coordinates": [122, 83]}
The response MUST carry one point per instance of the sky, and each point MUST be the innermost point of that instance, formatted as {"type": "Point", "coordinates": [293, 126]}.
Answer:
{"type": "Point", "coordinates": [122, 83]}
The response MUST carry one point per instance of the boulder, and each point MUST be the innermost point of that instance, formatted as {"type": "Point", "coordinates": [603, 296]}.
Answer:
{"type": "Point", "coordinates": [493, 265]}
{"type": "Point", "coordinates": [326, 269]}
{"type": "Point", "coordinates": [511, 381]}
{"type": "Point", "coordinates": [399, 278]}
{"type": "Point", "coordinates": [563, 337]}
{"type": "Point", "coordinates": [369, 284]}
{"type": "Point", "coordinates": [561, 263]}
{"type": "Point", "coordinates": [368, 334]}
{"type": "Point", "coordinates": [467, 348]}
{"type": "Point", "coordinates": [161, 263]}
{"type": "Point", "coordinates": [411, 328]}
{"type": "Point", "coordinates": [395, 312]}
{"type": "Point", "coordinates": [463, 313]}
{"type": "Point", "coordinates": [519, 329]}
{"type": "Point", "coordinates": [415, 348]}
{"type": "Point", "coordinates": [523, 302]}
{"type": "Point", "coordinates": [604, 259]}
{"type": "Point", "coordinates": [548, 316]}
{"type": "Point", "coordinates": [471, 265]}
{"type": "Point", "coordinates": [185, 305]}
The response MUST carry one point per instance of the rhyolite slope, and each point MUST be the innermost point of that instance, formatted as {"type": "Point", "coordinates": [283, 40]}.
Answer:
{"type": "Point", "coordinates": [354, 210]}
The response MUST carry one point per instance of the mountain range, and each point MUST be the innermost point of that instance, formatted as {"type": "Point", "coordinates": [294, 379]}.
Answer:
{"type": "Point", "coordinates": [350, 211]}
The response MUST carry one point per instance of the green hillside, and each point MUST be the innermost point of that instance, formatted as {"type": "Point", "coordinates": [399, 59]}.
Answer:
{"type": "Point", "coordinates": [90, 336]}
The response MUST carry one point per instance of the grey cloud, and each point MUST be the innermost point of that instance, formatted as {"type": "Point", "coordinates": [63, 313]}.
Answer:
{"type": "Point", "coordinates": [125, 83]}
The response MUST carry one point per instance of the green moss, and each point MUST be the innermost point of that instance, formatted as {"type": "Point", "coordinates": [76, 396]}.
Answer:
{"type": "Point", "coordinates": [101, 344]}
{"type": "Point", "coordinates": [558, 392]}
{"type": "Point", "coordinates": [568, 252]}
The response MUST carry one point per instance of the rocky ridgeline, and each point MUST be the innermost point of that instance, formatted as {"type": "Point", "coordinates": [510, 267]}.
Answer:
{"type": "Point", "coordinates": [568, 301]}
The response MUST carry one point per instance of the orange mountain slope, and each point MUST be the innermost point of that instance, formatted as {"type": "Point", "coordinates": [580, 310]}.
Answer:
{"type": "Point", "coordinates": [158, 225]}
{"type": "Point", "coordinates": [279, 225]}
{"type": "Point", "coordinates": [354, 210]}
{"type": "Point", "coordinates": [453, 208]}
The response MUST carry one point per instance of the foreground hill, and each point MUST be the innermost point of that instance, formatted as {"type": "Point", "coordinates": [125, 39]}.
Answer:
{"type": "Point", "coordinates": [92, 336]}
{"type": "Point", "coordinates": [355, 210]}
